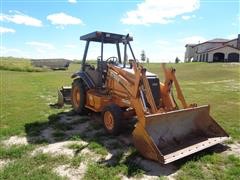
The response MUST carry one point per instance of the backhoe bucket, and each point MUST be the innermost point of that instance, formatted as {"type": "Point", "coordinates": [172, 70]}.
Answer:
{"type": "Point", "coordinates": [170, 136]}
{"type": "Point", "coordinates": [64, 96]}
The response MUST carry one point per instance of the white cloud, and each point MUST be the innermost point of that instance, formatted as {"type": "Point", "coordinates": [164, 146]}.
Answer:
{"type": "Point", "coordinates": [159, 11]}
{"type": "Point", "coordinates": [187, 17]}
{"type": "Point", "coordinates": [72, 1]}
{"type": "Point", "coordinates": [61, 19]}
{"type": "Point", "coordinates": [6, 30]}
{"type": "Point", "coordinates": [20, 18]}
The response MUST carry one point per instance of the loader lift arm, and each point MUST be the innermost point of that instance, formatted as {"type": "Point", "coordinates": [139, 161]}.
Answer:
{"type": "Point", "coordinates": [137, 82]}
{"type": "Point", "coordinates": [171, 78]}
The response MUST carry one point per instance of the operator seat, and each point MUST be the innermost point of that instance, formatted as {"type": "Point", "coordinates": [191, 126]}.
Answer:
{"type": "Point", "coordinates": [94, 75]}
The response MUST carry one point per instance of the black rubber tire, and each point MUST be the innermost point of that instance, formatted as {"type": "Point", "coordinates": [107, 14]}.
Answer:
{"type": "Point", "coordinates": [117, 115]}
{"type": "Point", "coordinates": [78, 105]}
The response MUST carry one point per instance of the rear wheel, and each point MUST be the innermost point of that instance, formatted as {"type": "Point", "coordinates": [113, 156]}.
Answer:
{"type": "Point", "coordinates": [111, 117]}
{"type": "Point", "coordinates": [78, 96]}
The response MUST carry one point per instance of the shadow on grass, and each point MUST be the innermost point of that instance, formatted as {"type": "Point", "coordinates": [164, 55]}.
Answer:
{"type": "Point", "coordinates": [69, 126]}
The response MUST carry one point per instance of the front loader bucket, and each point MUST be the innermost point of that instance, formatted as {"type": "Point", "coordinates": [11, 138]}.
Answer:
{"type": "Point", "coordinates": [173, 135]}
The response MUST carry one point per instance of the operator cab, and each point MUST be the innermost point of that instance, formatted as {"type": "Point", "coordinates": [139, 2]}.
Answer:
{"type": "Point", "coordinates": [97, 71]}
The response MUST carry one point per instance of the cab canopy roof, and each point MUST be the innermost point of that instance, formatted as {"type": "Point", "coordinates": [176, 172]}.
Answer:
{"type": "Point", "coordinates": [106, 37]}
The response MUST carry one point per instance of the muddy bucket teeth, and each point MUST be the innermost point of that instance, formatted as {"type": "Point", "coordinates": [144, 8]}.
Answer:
{"type": "Point", "coordinates": [171, 136]}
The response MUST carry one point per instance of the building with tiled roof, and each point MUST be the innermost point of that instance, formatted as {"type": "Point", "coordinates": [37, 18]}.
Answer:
{"type": "Point", "coordinates": [215, 50]}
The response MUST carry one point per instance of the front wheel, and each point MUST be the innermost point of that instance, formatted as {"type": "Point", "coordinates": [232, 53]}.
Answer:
{"type": "Point", "coordinates": [78, 96]}
{"type": "Point", "coordinates": [112, 119]}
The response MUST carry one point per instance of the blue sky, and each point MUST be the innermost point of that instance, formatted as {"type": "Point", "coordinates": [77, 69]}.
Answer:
{"type": "Point", "coordinates": [51, 28]}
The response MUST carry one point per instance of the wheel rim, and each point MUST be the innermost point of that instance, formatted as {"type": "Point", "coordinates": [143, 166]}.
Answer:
{"type": "Point", "coordinates": [108, 120]}
{"type": "Point", "coordinates": [76, 97]}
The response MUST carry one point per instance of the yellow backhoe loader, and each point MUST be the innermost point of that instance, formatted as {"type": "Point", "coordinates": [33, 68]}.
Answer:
{"type": "Point", "coordinates": [123, 89]}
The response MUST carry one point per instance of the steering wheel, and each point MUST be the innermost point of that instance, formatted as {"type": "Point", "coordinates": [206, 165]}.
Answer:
{"type": "Point", "coordinates": [113, 60]}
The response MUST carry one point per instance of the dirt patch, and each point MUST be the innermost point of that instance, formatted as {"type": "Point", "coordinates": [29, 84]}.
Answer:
{"type": "Point", "coordinates": [73, 129]}
{"type": "Point", "coordinates": [60, 148]}
{"type": "Point", "coordinates": [82, 131]}
{"type": "Point", "coordinates": [231, 64]}
{"type": "Point", "coordinates": [90, 155]}
{"type": "Point", "coordinates": [214, 82]}
{"type": "Point", "coordinates": [233, 87]}
{"type": "Point", "coordinates": [71, 173]}
{"type": "Point", "coordinates": [227, 149]}
{"type": "Point", "coordinates": [221, 81]}
{"type": "Point", "coordinates": [233, 149]}
{"type": "Point", "coordinates": [15, 140]}
{"type": "Point", "coordinates": [4, 162]}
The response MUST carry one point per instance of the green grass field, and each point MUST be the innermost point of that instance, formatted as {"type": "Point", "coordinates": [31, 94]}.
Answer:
{"type": "Point", "coordinates": [25, 97]}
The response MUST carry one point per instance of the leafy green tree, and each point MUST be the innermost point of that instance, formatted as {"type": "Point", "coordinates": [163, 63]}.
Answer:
{"type": "Point", "coordinates": [143, 56]}
{"type": "Point", "coordinates": [177, 60]}
{"type": "Point", "coordinates": [148, 60]}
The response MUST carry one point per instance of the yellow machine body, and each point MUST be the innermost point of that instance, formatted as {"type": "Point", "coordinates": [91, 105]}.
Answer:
{"type": "Point", "coordinates": [167, 128]}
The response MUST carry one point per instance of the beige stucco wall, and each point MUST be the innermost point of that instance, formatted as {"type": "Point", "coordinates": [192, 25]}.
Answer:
{"type": "Point", "coordinates": [232, 43]}
{"type": "Point", "coordinates": [225, 51]}
{"type": "Point", "coordinates": [192, 52]}
{"type": "Point", "coordinates": [189, 53]}
{"type": "Point", "coordinates": [208, 45]}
